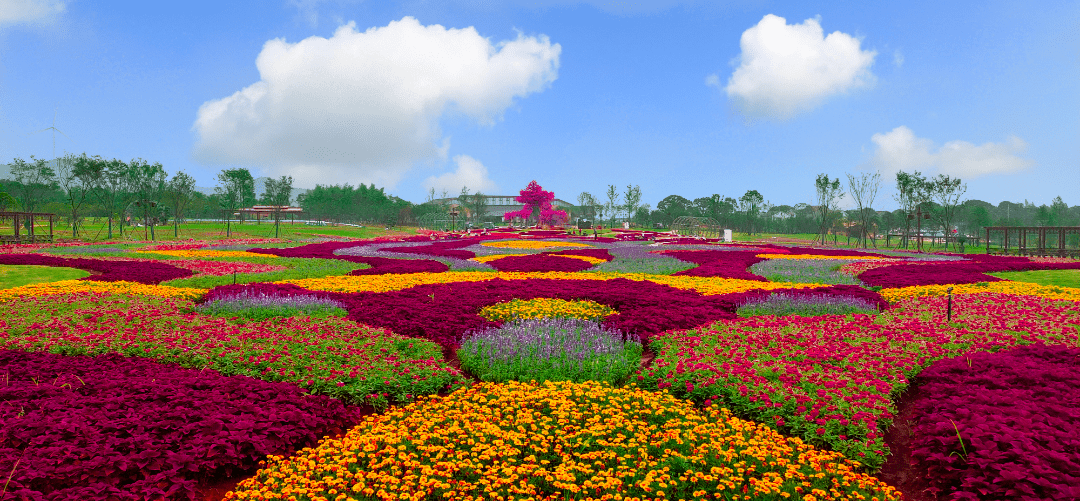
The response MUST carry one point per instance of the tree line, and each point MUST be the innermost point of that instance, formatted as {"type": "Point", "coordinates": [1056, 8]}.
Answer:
{"type": "Point", "coordinates": [933, 205]}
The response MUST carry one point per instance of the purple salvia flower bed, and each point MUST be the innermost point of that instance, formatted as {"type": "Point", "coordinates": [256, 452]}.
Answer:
{"type": "Point", "coordinates": [785, 303]}
{"type": "Point", "coordinates": [110, 427]}
{"type": "Point", "coordinates": [1018, 415]}
{"type": "Point", "coordinates": [549, 349]}
{"type": "Point", "coordinates": [278, 304]}
{"type": "Point", "coordinates": [376, 250]}
{"type": "Point", "coordinates": [379, 265]}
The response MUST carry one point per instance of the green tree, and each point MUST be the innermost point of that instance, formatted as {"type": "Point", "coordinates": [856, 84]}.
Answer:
{"type": "Point", "coordinates": [947, 193]}
{"type": "Point", "coordinates": [178, 194]}
{"type": "Point", "coordinates": [750, 205]}
{"type": "Point", "coordinates": [612, 206]}
{"type": "Point", "coordinates": [234, 186]}
{"type": "Point", "coordinates": [632, 200]}
{"type": "Point", "coordinates": [863, 191]}
{"type": "Point", "coordinates": [828, 195]}
{"type": "Point", "coordinates": [277, 195]}
{"type": "Point", "coordinates": [147, 182]}
{"type": "Point", "coordinates": [35, 179]}
{"type": "Point", "coordinates": [76, 176]}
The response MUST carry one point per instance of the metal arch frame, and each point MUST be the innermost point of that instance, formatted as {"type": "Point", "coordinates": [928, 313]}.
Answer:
{"type": "Point", "coordinates": [690, 226]}
{"type": "Point", "coordinates": [439, 221]}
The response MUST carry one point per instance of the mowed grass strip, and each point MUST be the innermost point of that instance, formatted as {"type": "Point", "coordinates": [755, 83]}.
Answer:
{"type": "Point", "coordinates": [17, 275]}
{"type": "Point", "coordinates": [1060, 278]}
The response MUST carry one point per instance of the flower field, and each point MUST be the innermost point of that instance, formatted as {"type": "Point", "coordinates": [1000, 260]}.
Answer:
{"type": "Point", "coordinates": [531, 365]}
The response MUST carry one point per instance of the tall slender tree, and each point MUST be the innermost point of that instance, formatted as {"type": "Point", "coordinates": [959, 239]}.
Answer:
{"type": "Point", "coordinates": [178, 193]}
{"type": "Point", "coordinates": [277, 195]}
{"type": "Point", "coordinates": [863, 191]}
{"type": "Point", "coordinates": [612, 206]}
{"type": "Point", "coordinates": [947, 192]}
{"type": "Point", "coordinates": [234, 186]}
{"type": "Point", "coordinates": [828, 195]}
{"type": "Point", "coordinates": [35, 178]}
{"type": "Point", "coordinates": [147, 182]}
{"type": "Point", "coordinates": [631, 200]}
{"type": "Point", "coordinates": [750, 205]}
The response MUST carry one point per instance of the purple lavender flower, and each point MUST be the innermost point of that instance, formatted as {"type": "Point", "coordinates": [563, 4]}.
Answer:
{"type": "Point", "coordinates": [784, 303]}
{"type": "Point", "coordinates": [555, 349]}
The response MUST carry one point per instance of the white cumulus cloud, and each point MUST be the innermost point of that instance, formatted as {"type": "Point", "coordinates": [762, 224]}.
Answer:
{"type": "Point", "coordinates": [30, 11]}
{"type": "Point", "coordinates": [470, 173]}
{"type": "Point", "coordinates": [900, 149]}
{"type": "Point", "coordinates": [788, 69]}
{"type": "Point", "coordinates": [365, 106]}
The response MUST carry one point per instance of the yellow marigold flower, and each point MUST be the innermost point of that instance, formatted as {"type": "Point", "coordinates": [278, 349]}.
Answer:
{"type": "Point", "coordinates": [383, 283]}
{"type": "Point", "coordinates": [471, 445]}
{"type": "Point", "coordinates": [1003, 287]}
{"type": "Point", "coordinates": [546, 308]}
{"type": "Point", "coordinates": [122, 287]}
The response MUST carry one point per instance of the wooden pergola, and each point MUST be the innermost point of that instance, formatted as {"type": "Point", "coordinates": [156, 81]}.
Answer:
{"type": "Point", "coordinates": [26, 218]}
{"type": "Point", "coordinates": [1062, 241]}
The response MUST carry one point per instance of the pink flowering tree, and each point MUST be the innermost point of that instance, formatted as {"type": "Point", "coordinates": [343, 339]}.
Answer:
{"type": "Point", "coordinates": [537, 200]}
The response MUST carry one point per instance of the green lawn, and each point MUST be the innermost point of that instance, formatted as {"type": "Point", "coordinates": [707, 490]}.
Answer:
{"type": "Point", "coordinates": [17, 275]}
{"type": "Point", "coordinates": [1060, 278]}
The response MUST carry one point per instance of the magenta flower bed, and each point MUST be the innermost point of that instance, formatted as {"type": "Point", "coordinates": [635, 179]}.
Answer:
{"type": "Point", "coordinates": [443, 312]}
{"type": "Point", "coordinates": [1018, 414]}
{"type": "Point", "coordinates": [596, 253]}
{"type": "Point", "coordinates": [445, 248]}
{"type": "Point", "coordinates": [144, 272]}
{"type": "Point", "coordinates": [951, 272]}
{"type": "Point", "coordinates": [540, 262]}
{"type": "Point", "coordinates": [110, 427]}
{"type": "Point", "coordinates": [719, 263]}
{"type": "Point", "coordinates": [379, 265]}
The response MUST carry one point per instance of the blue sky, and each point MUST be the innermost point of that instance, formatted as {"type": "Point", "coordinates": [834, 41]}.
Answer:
{"type": "Point", "coordinates": [689, 98]}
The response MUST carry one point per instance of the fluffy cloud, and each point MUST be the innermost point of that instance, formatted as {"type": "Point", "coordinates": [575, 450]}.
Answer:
{"type": "Point", "coordinates": [470, 173]}
{"type": "Point", "coordinates": [30, 11]}
{"type": "Point", "coordinates": [788, 69]}
{"type": "Point", "coordinates": [900, 150]}
{"type": "Point", "coordinates": [365, 106]}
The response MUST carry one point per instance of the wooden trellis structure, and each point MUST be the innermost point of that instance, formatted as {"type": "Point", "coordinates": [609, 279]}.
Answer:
{"type": "Point", "coordinates": [704, 227]}
{"type": "Point", "coordinates": [1062, 241]}
{"type": "Point", "coordinates": [21, 219]}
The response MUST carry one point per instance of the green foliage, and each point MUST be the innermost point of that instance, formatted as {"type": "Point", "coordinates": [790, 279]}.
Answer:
{"type": "Point", "coordinates": [17, 275]}
{"type": "Point", "coordinates": [231, 310]}
{"type": "Point", "coordinates": [1060, 278]}
{"type": "Point", "coordinates": [298, 268]}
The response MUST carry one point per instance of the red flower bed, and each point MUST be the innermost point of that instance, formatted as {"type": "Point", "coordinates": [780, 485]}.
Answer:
{"type": "Point", "coordinates": [110, 427]}
{"type": "Point", "coordinates": [719, 263]}
{"type": "Point", "coordinates": [540, 262]}
{"type": "Point", "coordinates": [443, 312]}
{"type": "Point", "coordinates": [596, 253]}
{"type": "Point", "coordinates": [1017, 413]}
{"type": "Point", "coordinates": [144, 272]}
{"type": "Point", "coordinates": [445, 248]}
{"type": "Point", "coordinates": [952, 272]}
{"type": "Point", "coordinates": [379, 265]}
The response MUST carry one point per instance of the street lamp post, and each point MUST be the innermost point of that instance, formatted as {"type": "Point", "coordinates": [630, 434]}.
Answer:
{"type": "Point", "coordinates": [453, 219]}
